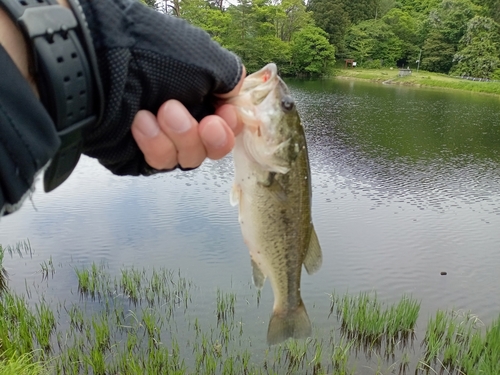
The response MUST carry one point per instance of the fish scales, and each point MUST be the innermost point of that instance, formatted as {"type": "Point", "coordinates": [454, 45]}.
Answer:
{"type": "Point", "coordinates": [273, 189]}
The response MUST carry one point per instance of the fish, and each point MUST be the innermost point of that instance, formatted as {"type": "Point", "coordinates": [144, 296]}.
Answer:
{"type": "Point", "coordinates": [272, 188]}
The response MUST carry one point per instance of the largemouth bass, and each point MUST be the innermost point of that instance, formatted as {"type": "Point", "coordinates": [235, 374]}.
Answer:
{"type": "Point", "coordinates": [272, 187]}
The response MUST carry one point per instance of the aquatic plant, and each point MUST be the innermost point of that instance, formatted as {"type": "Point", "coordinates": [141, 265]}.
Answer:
{"type": "Point", "coordinates": [371, 322]}
{"type": "Point", "coordinates": [128, 325]}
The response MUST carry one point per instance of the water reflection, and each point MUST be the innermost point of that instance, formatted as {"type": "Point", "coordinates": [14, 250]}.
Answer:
{"type": "Point", "coordinates": [406, 184]}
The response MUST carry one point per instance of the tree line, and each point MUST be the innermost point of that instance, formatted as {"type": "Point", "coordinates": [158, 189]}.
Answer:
{"type": "Point", "coordinates": [457, 37]}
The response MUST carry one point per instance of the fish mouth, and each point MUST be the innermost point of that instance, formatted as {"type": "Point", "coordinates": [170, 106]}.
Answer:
{"type": "Point", "coordinates": [265, 77]}
{"type": "Point", "coordinates": [262, 83]}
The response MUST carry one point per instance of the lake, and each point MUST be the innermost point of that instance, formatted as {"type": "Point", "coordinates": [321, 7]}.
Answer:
{"type": "Point", "coordinates": [406, 185]}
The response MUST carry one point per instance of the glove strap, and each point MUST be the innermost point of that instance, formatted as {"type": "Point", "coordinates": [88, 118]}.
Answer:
{"type": "Point", "coordinates": [68, 81]}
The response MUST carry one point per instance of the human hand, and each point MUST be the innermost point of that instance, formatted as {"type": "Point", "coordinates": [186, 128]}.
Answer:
{"type": "Point", "coordinates": [174, 137]}
{"type": "Point", "coordinates": [163, 76]}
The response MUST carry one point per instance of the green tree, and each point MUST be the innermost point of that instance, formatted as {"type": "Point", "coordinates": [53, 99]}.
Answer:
{"type": "Point", "coordinates": [384, 6]}
{"type": "Point", "coordinates": [420, 6]}
{"type": "Point", "coordinates": [361, 10]}
{"type": "Point", "coordinates": [331, 16]}
{"type": "Point", "coordinates": [290, 17]}
{"type": "Point", "coordinates": [446, 27]}
{"type": "Point", "coordinates": [437, 53]}
{"type": "Point", "coordinates": [359, 44]}
{"type": "Point", "coordinates": [493, 8]}
{"type": "Point", "coordinates": [402, 24]}
{"type": "Point", "coordinates": [252, 34]}
{"type": "Point", "coordinates": [312, 54]}
{"type": "Point", "coordinates": [242, 32]}
{"type": "Point", "coordinates": [374, 40]}
{"type": "Point", "coordinates": [407, 29]}
{"type": "Point", "coordinates": [479, 55]}
{"type": "Point", "coordinates": [149, 3]}
{"type": "Point", "coordinates": [202, 14]}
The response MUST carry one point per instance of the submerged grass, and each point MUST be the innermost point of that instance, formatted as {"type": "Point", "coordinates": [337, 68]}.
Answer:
{"type": "Point", "coordinates": [373, 324]}
{"type": "Point", "coordinates": [454, 341]}
{"type": "Point", "coordinates": [14, 364]}
{"type": "Point", "coordinates": [129, 324]}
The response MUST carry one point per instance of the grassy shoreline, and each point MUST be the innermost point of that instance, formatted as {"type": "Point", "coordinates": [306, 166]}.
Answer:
{"type": "Point", "coordinates": [420, 79]}
{"type": "Point", "coordinates": [126, 324]}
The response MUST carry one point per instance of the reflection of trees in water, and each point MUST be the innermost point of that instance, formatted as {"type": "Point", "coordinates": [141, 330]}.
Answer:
{"type": "Point", "coordinates": [429, 148]}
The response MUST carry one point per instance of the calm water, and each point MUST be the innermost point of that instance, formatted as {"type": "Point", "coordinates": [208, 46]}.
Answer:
{"type": "Point", "coordinates": [406, 184]}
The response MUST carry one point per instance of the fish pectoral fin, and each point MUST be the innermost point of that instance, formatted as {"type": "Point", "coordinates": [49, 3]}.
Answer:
{"type": "Point", "coordinates": [257, 276]}
{"type": "Point", "coordinates": [274, 188]}
{"type": "Point", "coordinates": [262, 154]}
{"type": "Point", "coordinates": [313, 258]}
{"type": "Point", "coordinates": [234, 196]}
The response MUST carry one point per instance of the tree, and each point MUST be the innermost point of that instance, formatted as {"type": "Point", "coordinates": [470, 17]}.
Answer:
{"type": "Point", "coordinates": [437, 53]}
{"type": "Point", "coordinates": [375, 40]}
{"type": "Point", "coordinates": [291, 16]}
{"type": "Point", "coordinates": [407, 29]}
{"type": "Point", "coordinates": [420, 6]}
{"type": "Point", "coordinates": [360, 10]}
{"type": "Point", "coordinates": [311, 52]}
{"type": "Point", "coordinates": [447, 26]}
{"type": "Point", "coordinates": [359, 44]}
{"type": "Point", "coordinates": [241, 31]}
{"type": "Point", "coordinates": [202, 14]}
{"type": "Point", "coordinates": [150, 3]}
{"type": "Point", "coordinates": [402, 24]}
{"type": "Point", "coordinates": [331, 16]}
{"type": "Point", "coordinates": [170, 7]}
{"type": "Point", "coordinates": [479, 55]}
{"type": "Point", "coordinates": [493, 7]}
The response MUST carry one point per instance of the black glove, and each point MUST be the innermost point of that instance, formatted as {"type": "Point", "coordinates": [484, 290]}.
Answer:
{"type": "Point", "coordinates": [146, 58]}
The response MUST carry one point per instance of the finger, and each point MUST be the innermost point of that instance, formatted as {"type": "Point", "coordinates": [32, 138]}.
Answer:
{"type": "Point", "coordinates": [182, 129]}
{"type": "Point", "coordinates": [236, 89]}
{"type": "Point", "coordinates": [159, 151]}
{"type": "Point", "coordinates": [230, 114]}
{"type": "Point", "coordinates": [217, 137]}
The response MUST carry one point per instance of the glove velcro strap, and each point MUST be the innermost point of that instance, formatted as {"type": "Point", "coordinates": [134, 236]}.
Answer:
{"type": "Point", "coordinates": [67, 84]}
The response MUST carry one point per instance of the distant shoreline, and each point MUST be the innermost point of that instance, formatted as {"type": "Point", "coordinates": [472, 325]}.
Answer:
{"type": "Point", "coordinates": [420, 79]}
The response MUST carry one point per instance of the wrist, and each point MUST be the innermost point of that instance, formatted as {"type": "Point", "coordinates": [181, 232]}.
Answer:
{"type": "Point", "coordinates": [12, 39]}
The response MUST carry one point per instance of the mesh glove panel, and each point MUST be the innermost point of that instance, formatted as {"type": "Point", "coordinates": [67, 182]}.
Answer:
{"type": "Point", "coordinates": [146, 58]}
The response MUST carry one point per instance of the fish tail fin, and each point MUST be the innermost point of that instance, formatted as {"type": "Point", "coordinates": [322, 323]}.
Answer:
{"type": "Point", "coordinates": [294, 323]}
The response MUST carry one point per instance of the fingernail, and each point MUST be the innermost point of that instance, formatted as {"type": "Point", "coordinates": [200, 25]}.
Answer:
{"type": "Point", "coordinates": [148, 127]}
{"type": "Point", "coordinates": [178, 121]}
{"type": "Point", "coordinates": [214, 135]}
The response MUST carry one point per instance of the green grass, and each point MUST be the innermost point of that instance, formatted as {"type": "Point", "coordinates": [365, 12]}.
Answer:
{"type": "Point", "coordinates": [372, 323]}
{"type": "Point", "coordinates": [455, 342]}
{"type": "Point", "coordinates": [21, 365]}
{"type": "Point", "coordinates": [139, 322]}
{"type": "Point", "coordinates": [422, 78]}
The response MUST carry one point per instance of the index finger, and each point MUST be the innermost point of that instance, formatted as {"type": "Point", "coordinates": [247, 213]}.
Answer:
{"type": "Point", "coordinates": [235, 91]}
{"type": "Point", "coordinates": [228, 112]}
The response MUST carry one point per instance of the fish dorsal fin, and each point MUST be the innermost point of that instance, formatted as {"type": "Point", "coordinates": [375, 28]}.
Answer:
{"type": "Point", "coordinates": [257, 276]}
{"type": "Point", "coordinates": [314, 258]}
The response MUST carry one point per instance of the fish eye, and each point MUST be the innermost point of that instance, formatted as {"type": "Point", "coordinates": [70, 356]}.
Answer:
{"type": "Point", "coordinates": [287, 103]}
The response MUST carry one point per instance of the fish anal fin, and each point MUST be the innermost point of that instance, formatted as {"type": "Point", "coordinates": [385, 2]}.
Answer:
{"type": "Point", "coordinates": [313, 258]}
{"type": "Point", "coordinates": [290, 324]}
{"type": "Point", "coordinates": [257, 276]}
